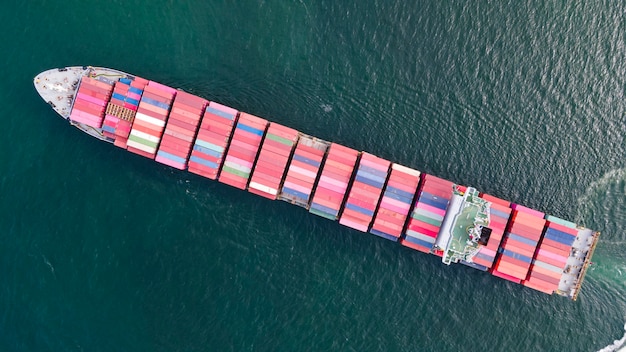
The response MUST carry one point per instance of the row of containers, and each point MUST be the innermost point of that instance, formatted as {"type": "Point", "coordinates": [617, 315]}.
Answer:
{"type": "Point", "coordinates": [91, 101]}
{"type": "Point", "coordinates": [121, 109]}
{"type": "Point", "coordinates": [152, 113]}
{"type": "Point", "coordinates": [361, 190]}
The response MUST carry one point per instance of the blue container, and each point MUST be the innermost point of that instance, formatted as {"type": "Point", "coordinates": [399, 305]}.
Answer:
{"type": "Point", "coordinates": [135, 90]}
{"type": "Point", "coordinates": [126, 81]}
{"type": "Point", "coordinates": [132, 101]}
{"type": "Point", "coordinates": [207, 151]}
{"type": "Point", "coordinates": [204, 162]}
{"type": "Point", "coordinates": [372, 171]}
{"type": "Point", "coordinates": [155, 103]}
{"type": "Point", "coordinates": [304, 198]}
{"type": "Point", "coordinates": [418, 241]}
{"type": "Point", "coordinates": [359, 209]}
{"type": "Point", "coordinates": [118, 96]}
{"type": "Point", "coordinates": [171, 157]}
{"type": "Point", "coordinates": [384, 235]}
{"type": "Point", "coordinates": [517, 256]}
{"type": "Point", "coordinates": [307, 161]}
{"type": "Point", "coordinates": [397, 197]}
{"type": "Point", "coordinates": [433, 203]}
{"type": "Point", "coordinates": [559, 236]}
{"type": "Point", "coordinates": [499, 213]}
{"type": "Point", "coordinates": [400, 193]}
{"type": "Point", "coordinates": [371, 176]}
{"type": "Point", "coordinates": [220, 113]}
{"type": "Point", "coordinates": [108, 129]}
{"type": "Point", "coordinates": [367, 181]}
{"type": "Point", "coordinates": [247, 128]}
{"type": "Point", "coordinates": [522, 239]}
{"type": "Point", "coordinates": [324, 209]}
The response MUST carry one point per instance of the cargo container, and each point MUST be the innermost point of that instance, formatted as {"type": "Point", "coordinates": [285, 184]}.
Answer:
{"type": "Point", "coordinates": [150, 119]}
{"type": "Point", "coordinates": [243, 150]}
{"type": "Point", "coordinates": [180, 130]}
{"type": "Point", "coordinates": [271, 165]}
{"type": "Point", "coordinates": [520, 242]}
{"type": "Point", "coordinates": [90, 103]}
{"type": "Point", "coordinates": [365, 192]}
{"type": "Point", "coordinates": [428, 213]}
{"type": "Point", "coordinates": [303, 170]}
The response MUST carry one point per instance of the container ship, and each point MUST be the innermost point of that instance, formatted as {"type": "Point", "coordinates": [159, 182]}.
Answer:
{"type": "Point", "coordinates": [362, 191]}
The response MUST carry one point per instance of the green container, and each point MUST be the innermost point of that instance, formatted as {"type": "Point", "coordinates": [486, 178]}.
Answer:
{"type": "Point", "coordinates": [142, 141]}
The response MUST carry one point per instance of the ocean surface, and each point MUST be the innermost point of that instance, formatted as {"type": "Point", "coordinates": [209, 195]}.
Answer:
{"type": "Point", "coordinates": [103, 250]}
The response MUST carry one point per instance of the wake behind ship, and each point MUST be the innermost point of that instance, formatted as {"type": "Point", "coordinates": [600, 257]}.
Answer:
{"type": "Point", "coordinates": [358, 189]}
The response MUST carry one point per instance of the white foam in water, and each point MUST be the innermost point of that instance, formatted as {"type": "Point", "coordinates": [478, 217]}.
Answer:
{"type": "Point", "coordinates": [602, 183]}
{"type": "Point", "coordinates": [617, 344]}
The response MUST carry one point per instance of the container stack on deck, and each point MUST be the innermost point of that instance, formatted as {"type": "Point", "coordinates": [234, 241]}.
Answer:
{"type": "Point", "coordinates": [396, 203]}
{"type": "Point", "coordinates": [551, 257]}
{"type": "Point", "coordinates": [243, 150]}
{"type": "Point", "coordinates": [272, 161]}
{"type": "Point", "coordinates": [365, 192]}
{"type": "Point", "coordinates": [303, 170]}
{"type": "Point", "coordinates": [212, 140]}
{"type": "Point", "coordinates": [428, 213]}
{"type": "Point", "coordinates": [150, 119]}
{"type": "Point", "coordinates": [520, 243]}
{"type": "Point", "coordinates": [180, 130]}
{"type": "Point", "coordinates": [500, 212]}
{"type": "Point", "coordinates": [334, 180]}
{"type": "Point", "coordinates": [121, 110]}
{"type": "Point", "coordinates": [91, 101]}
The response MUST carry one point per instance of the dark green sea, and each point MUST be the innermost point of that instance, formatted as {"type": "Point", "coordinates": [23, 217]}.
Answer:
{"type": "Point", "coordinates": [103, 250]}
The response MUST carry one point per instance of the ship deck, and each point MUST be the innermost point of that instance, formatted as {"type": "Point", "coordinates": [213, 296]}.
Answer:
{"type": "Point", "coordinates": [578, 263]}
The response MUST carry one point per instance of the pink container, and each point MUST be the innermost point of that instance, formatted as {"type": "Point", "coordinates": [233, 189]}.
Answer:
{"type": "Point", "coordinates": [350, 223]}
{"type": "Point", "coordinates": [527, 210]}
{"type": "Point", "coordinates": [395, 204]}
{"type": "Point", "coordinates": [91, 99]}
{"type": "Point", "coordinates": [307, 173]}
{"type": "Point", "coordinates": [431, 209]}
{"type": "Point", "coordinates": [162, 87]}
{"type": "Point", "coordinates": [223, 108]}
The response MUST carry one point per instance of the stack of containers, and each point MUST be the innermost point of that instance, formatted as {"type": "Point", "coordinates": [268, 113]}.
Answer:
{"type": "Point", "coordinates": [396, 203]}
{"type": "Point", "coordinates": [90, 102]}
{"type": "Point", "coordinates": [212, 140]}
{"type": "Point", "coordinates": [303, 170]}
{"type": "Point", "coordinates": [272, 161]}
{"type": "Point", "coordinates": [551, 257]}
{"type": "Point", "coordinates": [149, 123]}
{"type": "Point", "coordinates": [122, 108]}
{"type": "Point", "coordinates": [365, 192]}
{"type": "Point", "coordinates": [500, 212]}
{"type": "Point", "coordinates": [180, 130]}
{"type": "Point", "coordinates": [243, 150]}
{"type": "Point", "coordinates": [520, 243]}
{"type": "Point", "coordinates": [333, 184]}
{"type": "Point", "coordinates": [430, 209]}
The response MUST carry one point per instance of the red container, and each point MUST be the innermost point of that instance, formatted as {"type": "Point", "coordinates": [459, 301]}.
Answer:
{"type": "Point", "coordinates": [414, 246]}
{"type": "Point", "coordinates": [140, 152]}
{"type": "Point", "coordinates": [495, 200]}
{"type": "Point", "coordinates": [546, 278]}
{"type": "Point", "coordinates": [539, 285]}
{"type": "Point", "coordinates": [505, 276]}
{"type": "Point", "coordinates": [356, 217]}
{"type": "Point", "coordinates": [555, 244]}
